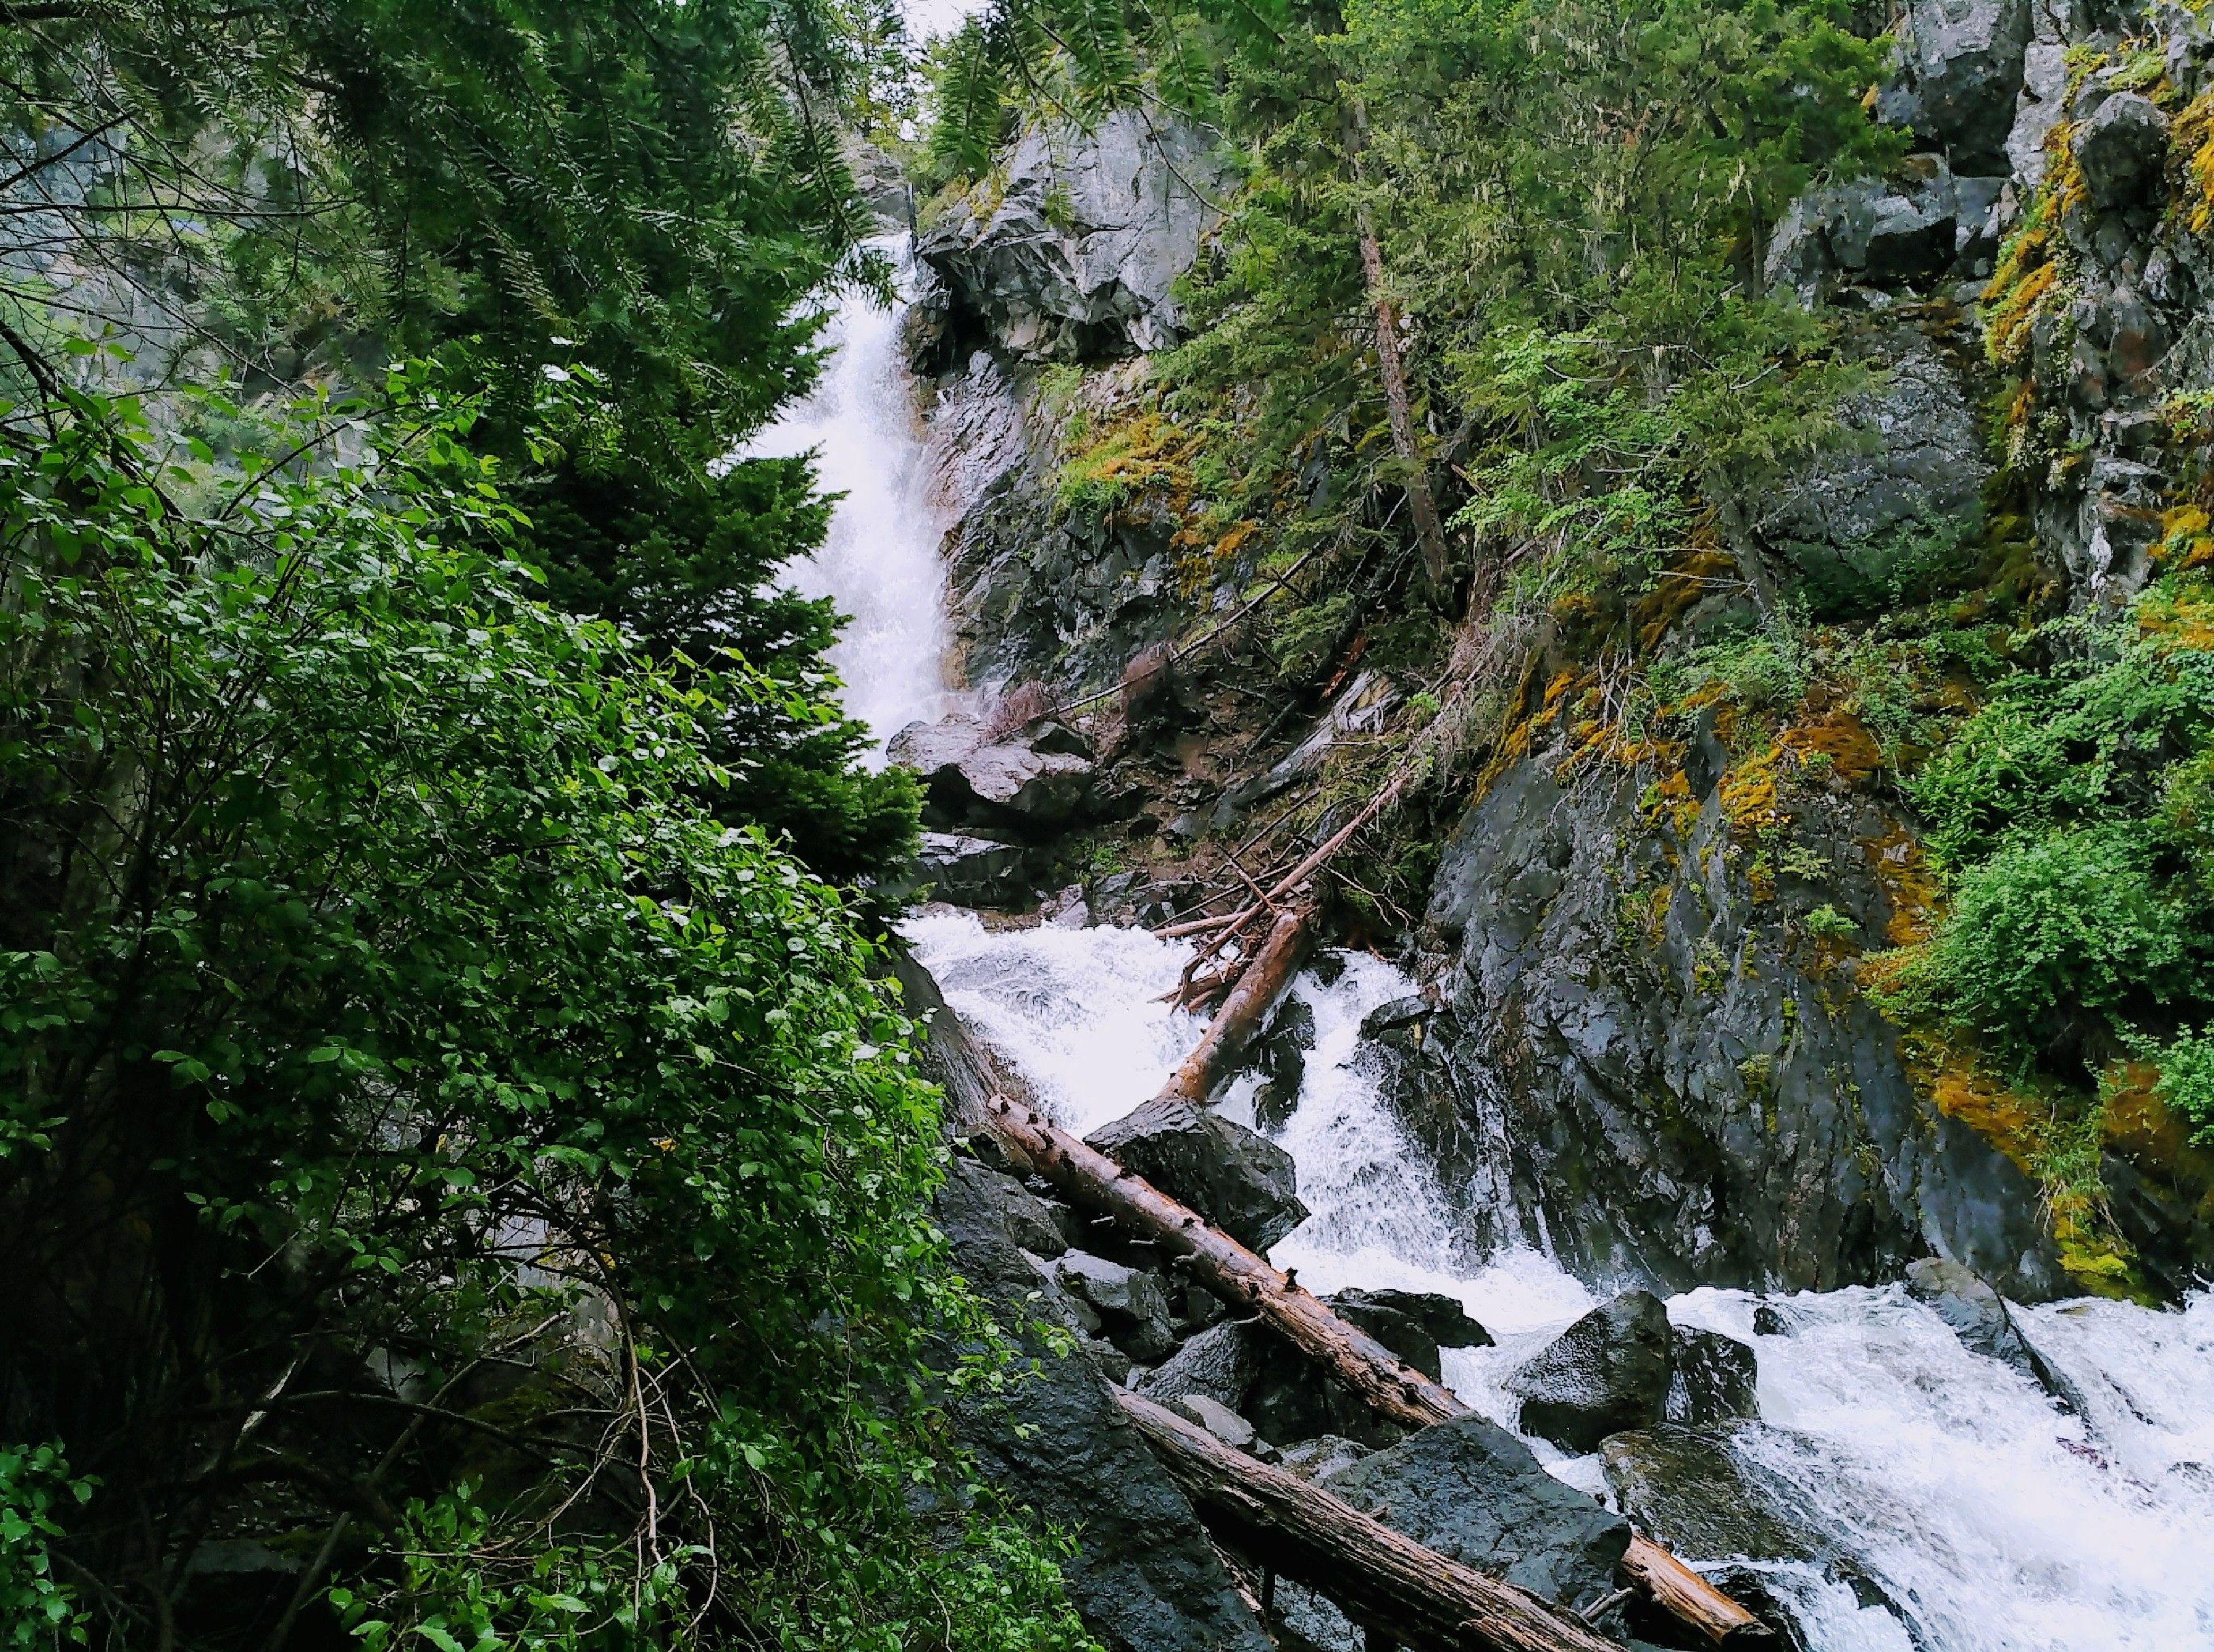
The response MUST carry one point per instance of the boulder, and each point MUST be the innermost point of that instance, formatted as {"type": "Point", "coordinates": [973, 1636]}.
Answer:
{"type": "Point", "coordinates": [1607, 1372]}
{"type": "Point", "coordinates": [1219, 1420]}
{"type": "Point", "coordinates": [1281, 1058]}
{"type": "Point", "coordinates": [1238, 1179]}
{"type": "Point", "coordinates": [1131, 1308]}
{"type": "Point", "coordinates": [1413, 1325]}
{"type": "Point", "coordinates": [1473, 1492]}
{"type": "Point", "coordinates": [1897, 510]}
{"type": "Point", "coordinates": [1323, 1456]}
{"type": "Point", "coordinates": [1958, 69]}
{"type": "Point", "coordinates": [2121, 149]}
{"type": "Point", "coordinates": [1684, 1486]}
{"type": "Point", "coordinates": [970, 779]}
{"type": "Point", "coordinates": [1978, 1315]}
{"type": "Point", "coordinates": [1869, 230]}
{"type": "Point", "coordinates": [1715, 1378]}
{"type": "Point", "coordinates": [1144, 1576]}
{"type": "Point", "coordinates": [973, 871]}
{"type": "Point", "coordinates": [1217, 1365]}
{"type": "Point", "coordinates": [1070, 251]}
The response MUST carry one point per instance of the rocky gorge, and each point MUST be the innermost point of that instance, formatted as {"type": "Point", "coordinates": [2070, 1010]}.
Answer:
{"type": "Point", "coordinates": [1629, 1039]}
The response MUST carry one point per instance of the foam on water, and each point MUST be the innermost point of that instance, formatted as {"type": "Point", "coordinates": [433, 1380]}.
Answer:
{"type": "Point", "coordinates": [1993, 1518]}
{"type": "Point", "coordinates": [881, 560]}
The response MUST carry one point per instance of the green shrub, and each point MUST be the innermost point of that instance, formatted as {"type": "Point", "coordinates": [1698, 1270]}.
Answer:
{"type": "Point", "coordinates": [2187, 1080]}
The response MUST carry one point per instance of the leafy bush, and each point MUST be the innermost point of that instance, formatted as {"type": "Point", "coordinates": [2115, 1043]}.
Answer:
{"type": "Point", "coordinates": [2187, 1080]}
{"type": "Point", "coordinates": [36, 1608]}
{"type": "Point", "coordinates": [375, 982]}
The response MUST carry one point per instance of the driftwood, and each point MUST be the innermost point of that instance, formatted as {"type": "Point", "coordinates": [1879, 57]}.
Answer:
{"type": "Point", "coordinates": [1386, 1580]}
{"type": "Point", "coordinates": [1259, 985]}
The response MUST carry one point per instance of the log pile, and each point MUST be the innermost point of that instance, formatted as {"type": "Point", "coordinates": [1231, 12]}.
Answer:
{"type": "Point", "coordinates": [1388, 1583]}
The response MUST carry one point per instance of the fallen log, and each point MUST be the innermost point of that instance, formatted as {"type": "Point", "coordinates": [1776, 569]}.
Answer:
{"type": "Point", "coordinates": [1384, 1581]}
{"type": "Point", "coordinates": [1263, 982]}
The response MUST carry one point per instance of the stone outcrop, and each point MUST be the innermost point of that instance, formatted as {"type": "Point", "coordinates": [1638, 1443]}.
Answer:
{"type": "Point", "coordinates": [1067, 250]}
{"type": "Point", "coordinates": [1959, 68]}
{"type": "Point", "coordinates": [1473, 1492]}
{"type": "Point", "coordinates": [1019, 783]}
{"type": "Point", "coordinates": [1897, 506]}
{"type": "Point", "coordinates": [1688, 1098]}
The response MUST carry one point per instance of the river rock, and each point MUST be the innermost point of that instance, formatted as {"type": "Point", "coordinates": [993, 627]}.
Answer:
{"type": "Point", "coordinates": [1607, 1372]}
{"type": "Point", "coordinates": [1684, 1486]}
{"type": "Point", "coordinates": [1473, 1492]}
{"type": "Point", "coordinates": [1070, 250]}
{"type": "Point", "coordinates": [1713, 1378]}
{"type": "Point", "coordinates": [1978, 1315]}
{"type": "Point", "coordinates": [1413, 1325]}
{"type": "Point", "coordinates": [1238, 1179]}
{"type": "Point", "coordinates": [1132, 1306]}
{"type": "Point", "coordinates": [1144, 1576]}
{"type": "Point", "coordinates": [969, 778]}
{"type": "Point", "coordinates": [1219, 1420]}
{"type": "Point", "coordinates": [1281, 1058]}
{"type": "Point", "coordinates": [1217, 1365]}
{"type": "Point", "coordinates": [1960, 67]}
{"type": "Point", "coordinates": [2121, 149]}
{"type": "Point", "coordinates": [1322, 1456]}
{"type": "Point", "coordinates": [974, 871]}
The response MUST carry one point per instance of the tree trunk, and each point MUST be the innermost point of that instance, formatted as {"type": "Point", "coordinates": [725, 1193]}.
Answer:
{"type": "Point", "coordinates": [1263, 982]}
{"type": "Point", "coordinates": [1429, 533]}
{"type": "Point", "coordinates": [1386, 1582]}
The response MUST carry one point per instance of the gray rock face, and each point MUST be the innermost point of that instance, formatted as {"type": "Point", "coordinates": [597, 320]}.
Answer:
{"type": "Point", "coordinates": [1960, 67]}
{"type": "Point", "coordinates": [1130, 1304]}
{"type": "Point", "coordinates": [2121, 147]}
{"type": "Point", "coordinates": [1217, 1365]}
{"type": "Point", "coordinates": [974, 871]}
{"type": "Point", "coordinates": [1606, 1373]}
{"type": "Point", "coordinates": [1144, 1577]}
{"type": "Point", "coordinates": [1473, 1492]}
{"type": "Point", "coordinates": [1238, 1179]}
{"type": "Point", "coordinates": [970, 779]}
{"type": "Point", "coordinates": [1413, 1325]}
{"type": "Point", "coordinates": [1070, 251]}
{"type": "Point", "coordinates": [1641, 1094]}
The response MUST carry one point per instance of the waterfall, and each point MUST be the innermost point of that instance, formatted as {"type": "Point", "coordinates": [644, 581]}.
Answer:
{"type": "Point", "coordinates": [881, 560]}
{"type": "Point", "coordinates": [1992, 1520]}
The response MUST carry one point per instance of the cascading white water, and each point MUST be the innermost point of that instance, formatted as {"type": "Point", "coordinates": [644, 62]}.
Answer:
{"type": "Point", "coordinates": [881, 560]}
{"type": "Point", "coordinates": [1996, 1522]}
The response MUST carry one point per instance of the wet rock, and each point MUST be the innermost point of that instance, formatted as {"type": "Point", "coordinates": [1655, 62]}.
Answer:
{"type": "Point", "coordinates": [1607, 1372]}
{"type": "Point", "coordinates": [1114, 1364]}
{"type": "Point", "coordinates": [1473, 1492]}
{"type": "Point", "coordinates": [1885, 517]}
{"type": "Point", "coordinates": [1715, 1378]}
{"type": "Point", "coordinates": [1144, 1576]}
{"type": "Point", "coordinates": [1071, 255]}
{"type": "Point", "coordinates": [1679, 1100]}
{"type": "Point", "coordinates": [1413, 1325]}
{"type": "Point", "coordinates": [1130, 1303]}
{"type": "Point", "coordinates": [2121, 149]}
{"type": "Point", "coordinates": [973, 871]}
{"type": "Point", "coordinates": [1959, 68]}
{"type": "Point", "coordinates": [1217, 1365]}
{"type": "Point", "coordinates": [1321, 1457]}
{"type": "Point", "coordinates": [970, 779]}
{"type": "Point", "coordinates": [1396, 1016]}
{"type": "Point", "coordinates": [1978, 1315]}
{"type": "Point", "coordinates": [1281, 1058]}
{"type": "Point", "coordinates": [1684, 1486]}
{"type": "Point", "coordinates": [1238, 1179]}
{"type": "Point", "coordinates": [1219, 1420]}
{"type": "Point", "coordinates": [1292, 1399]}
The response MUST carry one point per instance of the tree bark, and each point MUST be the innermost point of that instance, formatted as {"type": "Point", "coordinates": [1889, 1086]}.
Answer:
{"type": "Point", "coordinates": [1386, 1582]}
{"type": "Point", "coordinates": [1263, 982]}
{"type": "Point", "coordinates": [1429, 533]}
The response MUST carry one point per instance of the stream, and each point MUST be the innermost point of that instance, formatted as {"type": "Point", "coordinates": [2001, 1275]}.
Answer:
{"type": "Point", "coordinates": [1989, 1518]}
